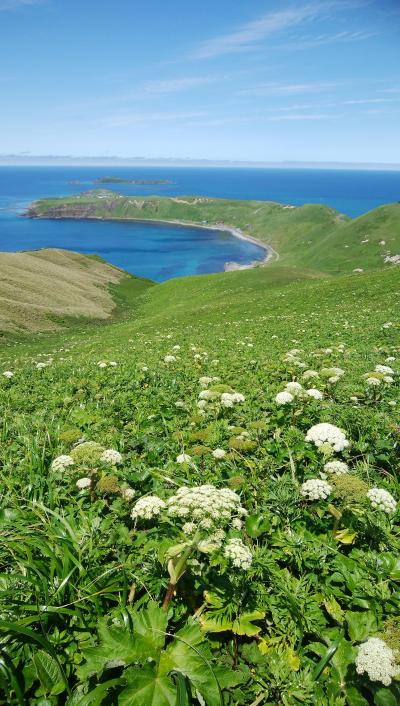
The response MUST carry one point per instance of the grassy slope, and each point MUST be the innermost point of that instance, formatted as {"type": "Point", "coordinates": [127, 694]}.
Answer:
{"type": "Point", "coordinates": [44, 289]}
{"type": "Point", "coordinates": [241, 324]}
{"type": "Point", "coordinates": [311, 236]}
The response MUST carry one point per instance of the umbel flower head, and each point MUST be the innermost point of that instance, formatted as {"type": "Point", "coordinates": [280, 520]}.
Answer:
{"type": "Point", "coordinates": [148, 507]}
{"type": "Point", "coordinates": [284, 398]}
{"type": "Point", "coordinates": [294, 388]}
{"type": "Point", "coordinates": [219, 453]}
{"type": "Point", "coordinates": [332, 374]}
{"type": "Point", "coordinates": [315, 489]}
{"type": "Point", "coordinates": [228, 399]}
{"type": "Point", "coordinates": [385, 369]}
{"type": "Point", "coordinates": [377, 660]}
{"type": "Point", "coordinates": [237, 552]}
{"type": "Point", "coordinates": [61, 463]}
{"type": "Point", "coordinates": [336, 468]}
{"type": "Point", "coordinates": [83, 483]}
{"type": "Point", "coordinates": [206, 505]}
{"type": "Point", "coordinates": [183, 458]}
{"type": "Point", "coordinates": [111, 456]}
{"type": "Point", "coordinates": [87, 453]}
{"type": "Point", "coordinates": [329, 436]}
{"type": "Point", "coordinates": [314, 393]}
{"type": "Point", "coordinates": [382, 500]}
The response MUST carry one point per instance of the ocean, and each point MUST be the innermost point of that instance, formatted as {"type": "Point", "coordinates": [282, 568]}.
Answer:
{"type": "Point", "coordinates": [160, 251]}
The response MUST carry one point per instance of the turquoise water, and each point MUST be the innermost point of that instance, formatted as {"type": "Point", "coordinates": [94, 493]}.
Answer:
{"type": "Point", "coordinates": [163, 251]}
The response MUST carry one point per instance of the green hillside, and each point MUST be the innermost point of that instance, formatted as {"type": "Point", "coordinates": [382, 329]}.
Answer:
{"type": "Point", "coordinates": [251, 592]}
{"type": "Point", "coordinates": [311, 236]}
{"type": "Point", "coordinates": [199, 497]}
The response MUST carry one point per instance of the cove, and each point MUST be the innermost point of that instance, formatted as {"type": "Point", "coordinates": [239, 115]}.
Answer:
{"type": "Point", "coordinates": [157, 251]}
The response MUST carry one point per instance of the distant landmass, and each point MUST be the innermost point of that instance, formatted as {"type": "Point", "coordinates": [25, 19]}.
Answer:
{"type": "Point", "coordinates": [115, 161]}
{"type": "Point", "coordinates": [120, 180]}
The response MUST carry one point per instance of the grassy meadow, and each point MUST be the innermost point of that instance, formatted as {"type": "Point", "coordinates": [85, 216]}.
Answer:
{"type": "Point", "coordinates": [199, 498]}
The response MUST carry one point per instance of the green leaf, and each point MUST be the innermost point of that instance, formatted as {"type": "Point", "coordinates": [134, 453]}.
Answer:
{"type": "Point", "coordinates": [256, 525]}
{"type": "Point", "coordinates": [385, 697]}
{"type": "Point", "coordinates": [48, 673]}
{"type": "Point", "coordinates": [326, 658]}
{"type": "Point", "coordinates": [31, 636]}
{"type": "Point", "coordinates": [354, 698]}
{"type": "Point", "coordinates": [119, 646]}
{"type": "Point", "coordinates": [341, 660]}
{"type": "Point", "coordinates": [361, 625]}
{"type": "Point", "coordinates": [181, 690]}
{"type": "Point", "coordinates": [96, 696]}
{"type": "Point", "coordinates": [146, 686]}
{"type": "Point", "coordinates": [345, 536]}
{"type": "Point", "coordinates": [335, 611]}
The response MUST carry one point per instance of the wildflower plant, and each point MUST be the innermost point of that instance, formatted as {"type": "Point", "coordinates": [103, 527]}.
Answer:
{"type": "Point", "coordinates": [202, 517]}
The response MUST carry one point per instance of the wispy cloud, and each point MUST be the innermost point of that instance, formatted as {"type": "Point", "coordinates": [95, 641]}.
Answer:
{"type": "Point", "coordinates": [300, 116]}
{"type": "Point", "coordinates": [268, 24]}
{"type": "Point", "coordinates": [289, 89]}
{"type": "Point", "coordinates": [175, 85]}
{"type": "Point", "coordinates": [307, 42]}
{"type": "Point", "coordinates": [364, 101]}
{"type": "Point", "coordinates": [136, 118]}
{"type": "Point", "coordinates": [16, 4]}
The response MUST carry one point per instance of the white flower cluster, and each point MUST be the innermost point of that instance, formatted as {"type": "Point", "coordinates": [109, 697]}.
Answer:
{"type": "Point", "coordinates": [238, 553]}
{"type": "Point", "coordinates": [128, 493]}
{"type": "Point", "coordinates": [228, 399]}
{"type": "Point", "coordinates": [61, 463]}
{"type": "Point", "coordinates": [206, 381]}
{"type": "Point", "coordinates": [284, 398]}
{"type": "Point", "coordinates": [183, 458]}
{"type": "Point", "coordinates": [382, 500]}
{"type": "Point", "coordinates": [219, 453]}
{"type": "Point", "coordinates": [83, 483]}
{"type": "Point", "coordinates": [315, 489]}
{"type": "Point", "coordinates": [385, 369]}
{"type": "Point", "coordinates": [327, 434]}
{"type": "Point", "coordinates": [293, 390]}
{"type": "Point", "coordinates": [105, 364]}
{"type": "Point", "coordinates": [372, 380]}
{"type": "Point", "coordinates": [148, 507]}
{"type": "Point", "coordinates": [205, 505]}
{"type": "Point", "coordinates": [111, 456]}
{"type": "Point", "coordinates": [225, 399]}
{"type": "Point", "coordinates": [308, 374]}
{"type": "Point", "coordinates": [332, 374]}
{"type": "Point", "coordinates": [314, 393]}
{"type": "Point", "coordinates": [8, 374]}
{"type": "Point", "coordinates": [336, 468]}
{"type": "Point", "coordinates": [377, 660]}
{"type": "Point", "coordinates": [169, 359]}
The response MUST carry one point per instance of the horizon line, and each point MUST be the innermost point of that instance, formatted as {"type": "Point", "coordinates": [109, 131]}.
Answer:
{"type": "Point", "coordinates": [102, 160]}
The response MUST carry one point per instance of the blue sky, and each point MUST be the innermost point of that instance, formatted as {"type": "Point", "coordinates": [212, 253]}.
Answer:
{"type": "Point", "coordinates": [310, 80]}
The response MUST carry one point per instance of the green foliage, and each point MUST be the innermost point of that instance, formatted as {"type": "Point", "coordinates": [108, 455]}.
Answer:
{"type": "Point", "coordinates": [82, 583]}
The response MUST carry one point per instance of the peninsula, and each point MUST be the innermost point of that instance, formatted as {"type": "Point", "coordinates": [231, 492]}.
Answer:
{"type": "Point", "coordinates": [312, 236]}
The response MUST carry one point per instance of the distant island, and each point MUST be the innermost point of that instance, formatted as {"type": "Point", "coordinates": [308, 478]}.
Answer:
{"type": "Point", "coordinates": [120, 180]}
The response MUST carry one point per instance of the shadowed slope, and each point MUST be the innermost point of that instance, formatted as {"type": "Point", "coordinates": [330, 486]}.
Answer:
{"type": "Point", "coordinates": [39, 288]}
